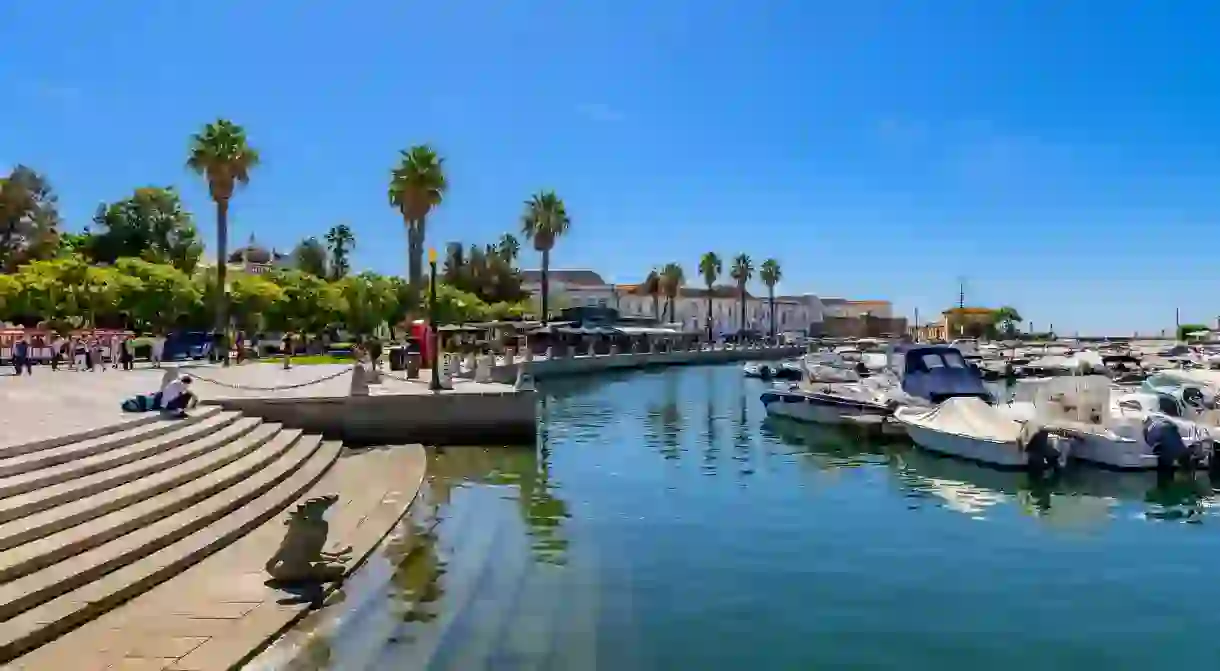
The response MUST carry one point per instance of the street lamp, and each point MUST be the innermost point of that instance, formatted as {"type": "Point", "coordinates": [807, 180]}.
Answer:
{"type": "Point", "coordinates": [435, 384]}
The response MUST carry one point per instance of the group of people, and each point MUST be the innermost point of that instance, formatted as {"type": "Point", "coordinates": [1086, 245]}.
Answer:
{"type": "Point", "coordinates": [83, 353]}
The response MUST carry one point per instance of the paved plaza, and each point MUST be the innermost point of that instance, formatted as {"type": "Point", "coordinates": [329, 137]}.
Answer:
{"type": "Point", "coordinates": [50, 403]}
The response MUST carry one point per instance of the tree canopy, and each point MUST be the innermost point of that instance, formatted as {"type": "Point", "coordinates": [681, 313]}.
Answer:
{"type": "Point", "coordinates": [29, 218]}
{"type": "Point", "coordinates": [150, 224]}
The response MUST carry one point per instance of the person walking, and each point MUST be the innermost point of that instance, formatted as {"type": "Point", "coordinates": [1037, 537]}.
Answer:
{"type": "Point", "coordinates": [57, 351]}
{"type": "Point", "coordinates": [126, 354]}
{"type": "Point", "coordinates": [157, 351]}
{"type": "Point", "coordinates": [21, 355]}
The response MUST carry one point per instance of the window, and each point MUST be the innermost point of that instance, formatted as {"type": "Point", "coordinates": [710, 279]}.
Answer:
{"type": "Point", "coordinates": [931, 361]}
{"type": "Point", "coordinates": [1168, 405]}
{"type": "Point", "coordinates": [601, 303]}
{"type": "Point", "coordinates": [953, 359]}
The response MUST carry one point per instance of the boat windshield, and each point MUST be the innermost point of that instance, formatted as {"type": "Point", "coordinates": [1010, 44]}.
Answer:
{"type": "Point", "coordinates": [928, 361]}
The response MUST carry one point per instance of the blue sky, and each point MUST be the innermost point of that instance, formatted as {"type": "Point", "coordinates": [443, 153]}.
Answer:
{"type": "Point", "coordinates": [1061, 156]}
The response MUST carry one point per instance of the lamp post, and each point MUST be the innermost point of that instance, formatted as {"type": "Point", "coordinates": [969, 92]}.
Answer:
{"type": "Point", "coordinates": [435, 384]}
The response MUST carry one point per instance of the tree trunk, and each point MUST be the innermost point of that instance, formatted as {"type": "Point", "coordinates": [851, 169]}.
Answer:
{"type": "Point", "coordinates": [771, 308]}
{"type": "Point", "coordinates": [743, 313]}
{"type": "Point", "coordinates": [546, 283]}
{"type": "Point", "coordinates": [222, 267]}
{"type": "Point", "coordinates": [415, 257]}
{"type": "Point", "coordinates": [709, 313]}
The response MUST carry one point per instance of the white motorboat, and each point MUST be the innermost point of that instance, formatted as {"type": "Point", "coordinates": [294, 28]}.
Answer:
{"type": "Point", "coordinates": [1126, 431]}
{"type": "Point", "coordinates": [917, 375]}
{"type": "Point", "coordinates": [970, 428]}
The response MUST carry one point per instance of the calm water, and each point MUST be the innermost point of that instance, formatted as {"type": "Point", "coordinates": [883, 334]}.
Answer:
{"type": "Point", "coordinates": [664, 523]}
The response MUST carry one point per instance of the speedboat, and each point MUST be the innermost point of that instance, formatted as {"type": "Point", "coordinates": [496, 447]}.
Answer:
{"type": "Point", "coordinates": [785, 370]}
{"type": "Point", "coordinates": [918, 375]}
{"type": "Point", "coordinates": [1115, 428]}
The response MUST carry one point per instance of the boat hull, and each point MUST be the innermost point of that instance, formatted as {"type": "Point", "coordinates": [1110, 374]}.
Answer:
{"type": "Point", "coordinates": [995, 453]}
{"type": "Point", "coordinates": [820, 408]}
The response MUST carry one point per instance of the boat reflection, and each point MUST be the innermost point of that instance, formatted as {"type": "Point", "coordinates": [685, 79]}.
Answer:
{"type": "Point", "coordinates": [1081, 496]}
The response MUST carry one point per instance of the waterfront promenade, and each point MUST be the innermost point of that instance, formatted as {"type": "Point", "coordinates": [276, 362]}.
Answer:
{"type": "Point", "coordinates": [138, 541]}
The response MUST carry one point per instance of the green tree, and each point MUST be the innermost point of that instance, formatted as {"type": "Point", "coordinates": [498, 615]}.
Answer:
{"type": "Point", "coordinates": [770, 274]}
{"type": "Point", "coordinates": [484, 273]}
{"type": "Point", "coordinates": [508, 248]}
{"type": "Point", "coordinates": [370, 301]}
{"type": "Point", "coordinates": [310, 304]}
{"type": "Point", "coordinates": [1184, 329]}
{"type": "Point", "coordinates": [253, 298]}
{"type": "Point", "coordinates": [417, 186]}
{"type": "Point", "coordinates": [163, 294]}
{"type": "Point", "coordinates": [309, 256]}
{"type": "Point", "coordinates": [742, 272]}
{"type": "Point", "coordinates": [29, 218]}
{"type": "Point", "coordinates": [150, 224]}
{"type": "Point", "coordinates": [545, 220]}
{"type": "Point", "coordinates": [672, 279]}
{"type": "Point", "coordinates": [454, 306]}
{"type": "Point", "coordinates": [10, 296]}
{"type": "Point", "coordinates": [404, 302]}
{"type": "Point", "coordinates": [652, 287]}
{"type": "Point", "coordinates": [710, 268]}
{"type": "Point", "coordinates": [221, 154]}
{"type": "Point", "coordinates": [70, 291]}
{"type": "Point", "coordinates": [341, 241]}
{"type": "Point", "coordinates": [1008, 318]}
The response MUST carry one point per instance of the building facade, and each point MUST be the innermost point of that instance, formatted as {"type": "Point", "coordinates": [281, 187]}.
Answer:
{"type": "Point", "coordinates": [569, 288]}
{"type": "Point", "coordinates": [843, 318]}
{"type": "Point", "coordinates": [691, 306]}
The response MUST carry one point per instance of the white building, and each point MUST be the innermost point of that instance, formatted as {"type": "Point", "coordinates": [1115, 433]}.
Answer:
{"type": "Point", "coordinates": [570, 288]}
{"type": "Point", "coordinates": [792, 313]}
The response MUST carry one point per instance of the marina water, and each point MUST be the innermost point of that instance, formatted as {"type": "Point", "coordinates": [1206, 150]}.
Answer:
{"type": "Point", "coordinates": [662, 522]}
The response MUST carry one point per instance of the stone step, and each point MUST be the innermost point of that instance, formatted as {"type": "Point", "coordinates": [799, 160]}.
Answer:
{"type": "Point", "coordinates": [32, 492]}
{"type": "Point", "coordinates": [245, 458]}
{"type": "Point", "coordinates": [161, 432]}
{"type": "Point", "coordinates": [34, 589]}
{"type": "Point", "coordinates": [44, 605]}
{"type": "Point", "coordinates": [47, 443]}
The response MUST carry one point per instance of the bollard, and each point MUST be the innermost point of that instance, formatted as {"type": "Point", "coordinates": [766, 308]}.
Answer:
{"type": "Point", "coordinates": [483, 368]}
{"type": "Point", "coordinates": [360, 381]}
{"type": "Point", "coordinates": [525, 381]}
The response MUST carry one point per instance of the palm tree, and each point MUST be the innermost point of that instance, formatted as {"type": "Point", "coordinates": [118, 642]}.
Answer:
{"type": "Point", "coordinates": [341, 242]}
{"type": "Point", "coordinates": [509, 248]}
{"type": "Point", "coordinates": [652, 287]}
{"type": "Point", "coordinates": [417, 185]}
{"type": "Point", "coordinates": [221, 154]}
{"type": "Point", "coordinates": [672, 279]}
{"type": "Point", "coordinates": [742, 272]}
{"type": "Point", "coordinates": [770, 274]}
{"type": "Point", "coordinates": [710, 268]}
{"type": "Point", "coordinates": [545, 219]}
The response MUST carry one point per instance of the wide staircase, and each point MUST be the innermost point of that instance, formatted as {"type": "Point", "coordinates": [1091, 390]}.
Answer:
{"type": "Point", "coordinates": [87, 524]}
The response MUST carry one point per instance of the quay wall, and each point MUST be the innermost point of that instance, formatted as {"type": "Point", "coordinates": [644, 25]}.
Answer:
{"type": "Point", "coordinates": [594, 363]}
{"type": "Point", "coordinates": [472, 413]}
{"type": "Point", "coordinates": [451, 418]}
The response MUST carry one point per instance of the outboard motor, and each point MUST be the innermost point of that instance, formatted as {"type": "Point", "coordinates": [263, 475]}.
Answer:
{"type": "Point", "coordinates": [1045, 452]}
{"type": "Point", "coordinates": [1193, 398]}
{"type": "Point", "coordinates": [1171, 450]}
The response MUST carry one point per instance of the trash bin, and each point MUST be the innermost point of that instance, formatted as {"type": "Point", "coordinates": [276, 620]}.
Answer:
{"type": "Point", "coordinates": [398, 358]}
{"type": "Point", "coordinates": [414, 362]}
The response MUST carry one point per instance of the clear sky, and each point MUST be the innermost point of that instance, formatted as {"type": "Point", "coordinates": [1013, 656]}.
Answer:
{"type": "Point", "coordinates": [1061, 156]}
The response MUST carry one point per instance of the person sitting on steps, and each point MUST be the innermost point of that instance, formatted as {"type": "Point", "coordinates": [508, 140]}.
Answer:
{"type": "Point", "coordinates": [177, 396]}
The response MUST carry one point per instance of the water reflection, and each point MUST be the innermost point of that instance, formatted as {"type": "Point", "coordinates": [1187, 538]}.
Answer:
{"type": "Point", "coordinates": [1081, 496]}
